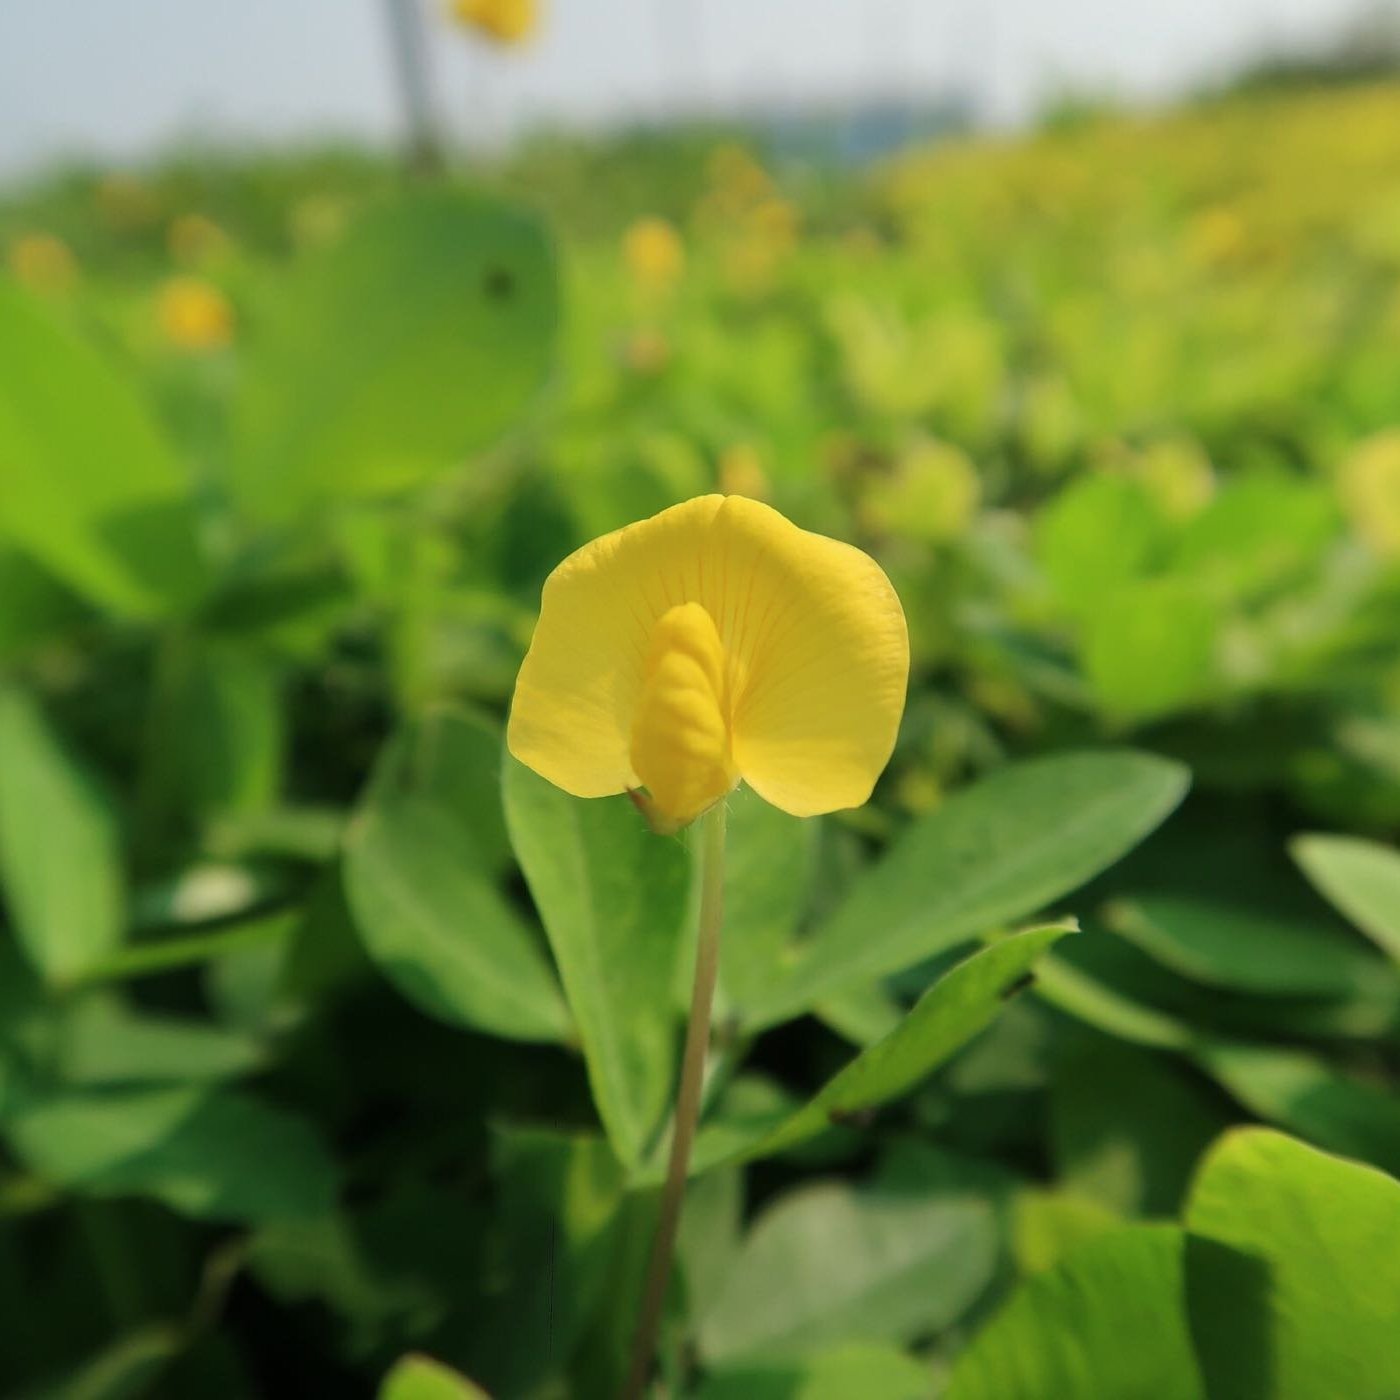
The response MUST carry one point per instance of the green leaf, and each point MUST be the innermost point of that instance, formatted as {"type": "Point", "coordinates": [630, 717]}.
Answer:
{"type": "Point", "coordinates": [860, 1369]}
{"type": "Point", "coordinates": [1047, 1225]}
{"type": "Point", "coordinates": [1264, 527]}
{"type": "Point", "coordinates": [101, 1041]}
{"type": "Point", "coordinates": [1303, 1093]}
{"type": "Point", "coordinates": [957, 1007]}
{"type": "Point", "coordinates": [1244, 948]}
{"type": "Point", "coordinates": [770, 858]}
{"type": "Point", "coordinates": [421, 1378]}
{"type": "Point", "coordinates": [320, 1259]}
{"type": "Point", "coordinates": [554, 1222]}
{"type": "Point", "coordinates": [88, 486]}
{"type": "Point", "coordinates": [1150, 647]}
{"type": "Point", "coordinates": [222, 735]}
{"type": "Point", "coordinates": [213, 1154]}
{"type": "Point", "coordinates": [830, 1262]}
{"type": "Point", "coordinates": [126, 1370]}
{"type": "Point", "coordinates": [995, 853]}
{"type": "Point", "coordinates": [409, 343]}
{"type": "Point", "coordinates": [1362, 878]}
{"type": "Point", "coordinates": [1127, 1126]}
{"type": "Point", "coordinates": [421, 860]}
{"type": "Point", "coordinates": [707, 1242]}
{"type": "Point", "coordinates": [1294, 1272]}
{"type": "Point", "coordinates": [1107, 1321]}
{"type": "Point", "coordinates": [36, 607]}
{"type": "Point", "coordinates": [60, 859]}
{"type": "Point", "coordinates": [1101, 532]}
{"type": "Point", "coordinates": [613, 898]}
{"type": "Point", "coordinates": [1083, 993]}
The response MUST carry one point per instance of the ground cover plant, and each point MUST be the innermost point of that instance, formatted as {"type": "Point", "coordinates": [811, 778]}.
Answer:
{"type": "Point", "coordinates": [338, 1047]}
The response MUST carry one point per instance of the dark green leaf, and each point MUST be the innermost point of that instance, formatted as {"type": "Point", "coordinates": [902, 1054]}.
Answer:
{"type": "Point", "coordinates": [1362, 878]}
{"type": "Point", "coordinates": [60, 862]}
{"type": "Point", "coordinates": [1240, 947]}
{"type": "Point", "coordinates": [946, 1017]}
{"type": "Point", "coordinates": [830, 1262]}
{"type": "Point", "coordinates": [868, 1371]}
{"type": "Point", "coordinates": [995, 853]}
{"type": "Point", "coordinates": [613, 898]}
{"type": "Point", "coordinates": [420, 875]}
{"type": "Point", "coordinates": [211, 1154]}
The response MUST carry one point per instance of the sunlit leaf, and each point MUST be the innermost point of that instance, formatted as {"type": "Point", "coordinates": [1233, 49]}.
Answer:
{"type": "Point", "coordinates": [411, 341]}
{"type": "Point", "coordinates": [1293, 1269]}
{"type": "Point", "coordinates": [88, 486]}
{"type": "Point", "coordinates": [1108, 1320]}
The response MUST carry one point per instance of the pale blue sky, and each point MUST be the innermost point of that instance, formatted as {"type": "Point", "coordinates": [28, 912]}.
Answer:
{"type": "Point", "coordinates": [120, 78]}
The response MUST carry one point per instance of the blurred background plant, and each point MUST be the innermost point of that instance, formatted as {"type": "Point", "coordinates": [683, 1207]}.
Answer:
{"type": "Point", "coordinates": [289, 438]}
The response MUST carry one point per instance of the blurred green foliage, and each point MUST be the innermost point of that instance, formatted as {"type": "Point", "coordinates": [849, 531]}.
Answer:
{"type": "Point", "coordinates": [336, 1048]}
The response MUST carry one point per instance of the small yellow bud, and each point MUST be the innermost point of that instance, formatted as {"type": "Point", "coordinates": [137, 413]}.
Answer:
{"type": "Point", "coordinates": [194, 315]}
{"type": "Point", "coordinates": [654, 254]}
{"type": "Point", "coordinates": [42, 263]}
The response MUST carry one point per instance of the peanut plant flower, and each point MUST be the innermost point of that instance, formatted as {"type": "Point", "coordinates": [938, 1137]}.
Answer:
{"type": "Point", "coordinates": [654, 254]}
{"type": "Point", "coordinates": [42, 262]}
{"type": "Point", "coordinates": [711, 644]}
{"type": "Point", "coordinates": [505, 21]}
{"type": "Point", "coordinates": [194, 314]}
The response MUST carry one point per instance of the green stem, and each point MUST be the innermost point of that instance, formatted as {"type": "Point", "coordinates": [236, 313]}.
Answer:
{"type": "Point", "coordinates": [697, 1040]}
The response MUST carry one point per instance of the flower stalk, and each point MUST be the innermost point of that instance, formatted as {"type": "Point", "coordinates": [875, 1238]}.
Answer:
{"type": "Point", "coordinates": [688, 1099]}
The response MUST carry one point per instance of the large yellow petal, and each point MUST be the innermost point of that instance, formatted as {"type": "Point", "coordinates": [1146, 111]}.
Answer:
{"type": "Point", "coordinates": [820, 654]}
{"type": "Point", "coordinates": [816, 653]}
{"type": "Point", "coordinates": [577, 693]}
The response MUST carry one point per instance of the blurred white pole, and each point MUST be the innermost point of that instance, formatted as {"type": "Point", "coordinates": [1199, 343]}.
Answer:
{"type": "Point", "coordinates": [415, 84]}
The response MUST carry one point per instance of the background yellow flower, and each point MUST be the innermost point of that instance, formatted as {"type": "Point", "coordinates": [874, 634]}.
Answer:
{"type": "Point", "coordinates": [194, 314]}
{"type": "Point", "coordinates": [42, 262]}
{"type": "Point", "coordinates": [506, 21]}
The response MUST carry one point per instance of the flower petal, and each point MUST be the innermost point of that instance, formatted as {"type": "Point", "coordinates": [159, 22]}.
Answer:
{"type": "Point", "coordinates": [822, 666]}
{"type": "Point", "coordinates": [816, 652]}
{"type": "Point", "coordinates": [577, 694]}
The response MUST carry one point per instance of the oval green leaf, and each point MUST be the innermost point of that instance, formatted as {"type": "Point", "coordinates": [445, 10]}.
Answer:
{"type": "Point", "coordinates": [421, 861]}
{"type": "Point", "coordinates": [998, 852]}
{"type": "Point", "coordinates": [613, 899]}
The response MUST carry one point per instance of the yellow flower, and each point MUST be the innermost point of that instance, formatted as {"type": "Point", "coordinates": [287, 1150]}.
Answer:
{"type": "Point", "coordinates": [654, 254]}
{"type": "Point", "coordinates": [194, 315]}
{"type": "Point", "coordinates": [1369, 486]}
{"type": "Point", "coordinates": [42, 262]}
{"type": "Point", "coordinates": [713, 643]}
{"type": "Point", "coordinates": [506, 21]}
